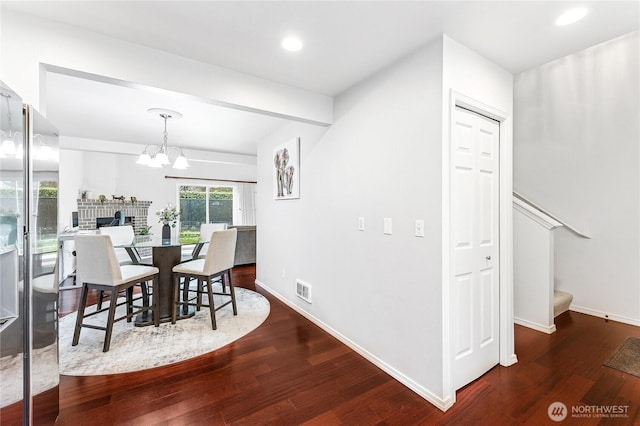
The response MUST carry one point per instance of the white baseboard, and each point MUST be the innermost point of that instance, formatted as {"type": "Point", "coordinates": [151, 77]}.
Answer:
{"type": "Point", "coordinates": [513, 359]}
{"type": "Point", "coordinates": [442, 404]}
{"type": "Point", "coordinates": [604, 315]}
{"type": "Point", "coordinates": [538, 327]}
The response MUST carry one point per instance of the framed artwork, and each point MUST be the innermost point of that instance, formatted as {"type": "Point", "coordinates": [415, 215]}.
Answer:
{"type": "Point", "coordinates": [286, 170]}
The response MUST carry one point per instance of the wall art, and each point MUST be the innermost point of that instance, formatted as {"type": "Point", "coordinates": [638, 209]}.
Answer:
{"type": "Point", "coordinates": [286, 170]}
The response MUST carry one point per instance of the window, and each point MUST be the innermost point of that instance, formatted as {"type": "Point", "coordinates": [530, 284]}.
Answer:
{"type": "Point", "coordinates": [11, 205]}
{"type": "Point", "coordinates": [203, 204]}
{"type": "Point", "coordinates": [46, 197]}
{"type": "Point", "coordinates": [220, 205]}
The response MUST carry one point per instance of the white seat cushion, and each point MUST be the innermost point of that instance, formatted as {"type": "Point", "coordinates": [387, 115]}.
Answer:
{"type": "Point", "coordinates": [45, 283]}
{"type": "Point", "coordinates": [135, 272]}
{"type": "Point", "coordinates": [191, 267]}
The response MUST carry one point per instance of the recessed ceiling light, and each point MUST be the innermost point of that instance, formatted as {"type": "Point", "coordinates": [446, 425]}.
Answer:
{"type": "Point", "coordinates": [571, 16]}
{"type": "Point", "coordinates": [292, 44]}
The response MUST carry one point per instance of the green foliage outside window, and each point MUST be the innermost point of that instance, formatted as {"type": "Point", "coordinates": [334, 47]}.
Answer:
{"type": "Point", "coordinates": [194, 209]}
{"type": "Point", "coordinates": [44, 191]}
{"type": "Point", "coordinates": [46, 210]}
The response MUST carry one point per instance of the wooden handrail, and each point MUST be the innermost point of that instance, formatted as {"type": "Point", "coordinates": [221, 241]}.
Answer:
{"type": "Point", "coordinates": [551, 215]}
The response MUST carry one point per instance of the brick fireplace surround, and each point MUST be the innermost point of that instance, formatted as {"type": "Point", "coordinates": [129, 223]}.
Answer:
{"type": "Point", "coordinates": [89, 210]}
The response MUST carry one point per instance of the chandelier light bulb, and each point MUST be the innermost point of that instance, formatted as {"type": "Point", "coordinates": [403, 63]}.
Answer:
{"type": "Point", "coordinates": [154, 163]}
{"type": "Point", "coordinates": [144, 159]}
{"type": "Point", "coordinates": [181, 162]}
{"type": "Point", "coordinates": [162, 158]}
{"type": "Point", "coordinates": [8, 148]}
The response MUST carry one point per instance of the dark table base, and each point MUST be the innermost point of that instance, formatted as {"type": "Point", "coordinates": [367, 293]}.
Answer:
{"type": "Point", "coordinates": [145, 319]}
{"type": "Point", "coordinates": [164, 258]}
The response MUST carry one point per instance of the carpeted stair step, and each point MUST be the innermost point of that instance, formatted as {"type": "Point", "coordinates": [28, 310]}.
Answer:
{"type": "Point", "coordinates": [561, 302]}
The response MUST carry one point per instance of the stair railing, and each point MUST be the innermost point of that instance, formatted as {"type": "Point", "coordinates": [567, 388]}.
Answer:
{"type": "Point", "coordinates": [564, 223]}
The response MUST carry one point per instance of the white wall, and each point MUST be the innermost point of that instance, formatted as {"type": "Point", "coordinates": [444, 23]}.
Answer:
{"type": "Point", "coordinates": [576, 153]}
{"type": "Point", "coordinates": [70, 182]}
{"type": "Point", "coordinates": [28, 42]}
{"type": "Point", "coordinates": [380, 159]}
{"type": "Point", "coordinates": [467, 72]}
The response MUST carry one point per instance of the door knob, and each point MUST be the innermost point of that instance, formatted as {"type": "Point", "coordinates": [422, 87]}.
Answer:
{"type": "Point", "coordinates": [488, 258]}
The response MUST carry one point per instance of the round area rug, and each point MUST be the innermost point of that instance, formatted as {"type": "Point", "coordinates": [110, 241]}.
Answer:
{"type": "Point", "coordinates": [138, 348]}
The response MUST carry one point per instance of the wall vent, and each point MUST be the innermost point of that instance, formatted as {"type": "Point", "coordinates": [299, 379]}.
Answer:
{"type": "Point", "coordinates": [303, 291]}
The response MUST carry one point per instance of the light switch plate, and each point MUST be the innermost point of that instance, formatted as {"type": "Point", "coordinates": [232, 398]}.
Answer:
{"type": "Point", "coordinates": [387, 226]}
{"type": "Point", "coordinates": [419, 231]}
{"type": "Point", "coordinates": [361, 224]}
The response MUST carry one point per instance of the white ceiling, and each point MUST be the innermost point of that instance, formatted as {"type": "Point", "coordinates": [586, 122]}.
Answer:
{"type": "Point", "coordinates": [113, 112]}
{"type": "Point", "coordinates": [345, 41]}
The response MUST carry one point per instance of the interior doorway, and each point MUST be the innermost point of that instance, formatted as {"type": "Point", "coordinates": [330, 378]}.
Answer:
{"type": "Point", "coordinates": [475, 167]}
{"type": "Point", "coordinates": [477, 248]}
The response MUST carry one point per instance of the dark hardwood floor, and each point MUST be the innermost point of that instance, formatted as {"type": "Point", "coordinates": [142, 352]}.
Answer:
{"type": "Point", "coordinates": [290, 372]}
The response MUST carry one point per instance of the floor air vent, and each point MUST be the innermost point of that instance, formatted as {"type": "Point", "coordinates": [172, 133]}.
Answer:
{"type": "Point", "coordinates": [303, 291]}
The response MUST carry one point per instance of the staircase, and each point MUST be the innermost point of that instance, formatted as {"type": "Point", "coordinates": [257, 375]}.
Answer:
{"type": "Point", "coordinates": [536, 301]}
{"type": "Point", "coordinates": [561, 302]}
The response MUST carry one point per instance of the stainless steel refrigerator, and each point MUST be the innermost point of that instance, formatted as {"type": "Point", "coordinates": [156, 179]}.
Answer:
{"type": "Point", "coordinates": [29, 171]}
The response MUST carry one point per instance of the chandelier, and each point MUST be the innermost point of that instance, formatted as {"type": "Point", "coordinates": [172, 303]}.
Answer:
{"type": "Point", "coordinates": [158, 155]}
{"type": "Point", "coordinates": [11, 143]}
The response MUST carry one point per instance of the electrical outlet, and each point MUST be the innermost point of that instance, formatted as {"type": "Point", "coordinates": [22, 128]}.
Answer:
{"type": "Point", "coordinates": [284, 274]}
{"type": "Point", "coordinates": [361, 224]}
{"type": "Point", "coordinates": [419, 231]}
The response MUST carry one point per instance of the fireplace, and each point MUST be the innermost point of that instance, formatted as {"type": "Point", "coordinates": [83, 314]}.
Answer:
{"type": "Point", "coordinates": [110, 221]}
{"type": "Point", "coordinates": [93, 214]}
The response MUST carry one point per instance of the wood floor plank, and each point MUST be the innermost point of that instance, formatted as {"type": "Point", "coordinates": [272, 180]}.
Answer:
{"type": "Point", "coordinates": [289, 371]}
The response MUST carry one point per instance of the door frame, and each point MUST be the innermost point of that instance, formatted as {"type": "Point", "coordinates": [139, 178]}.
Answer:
{"type": "Point", "coordinates": [506, 339]}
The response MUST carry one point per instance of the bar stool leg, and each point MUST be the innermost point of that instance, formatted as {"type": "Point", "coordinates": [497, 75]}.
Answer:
{"type": "Point", "coordinates": [112, 315]}
{"type": "Point", "coordinates": [155, 306]}
{"type": "Point", "coordinates": [212, 308]}
{"type": "Point", "coordinates": [80, 317]}
{"type": "Point", "coordinates": [232, 291]}
{"type": "Point", "coordinates": [129, 293]}
{"type": "Point", "coordinates": [175, 303]}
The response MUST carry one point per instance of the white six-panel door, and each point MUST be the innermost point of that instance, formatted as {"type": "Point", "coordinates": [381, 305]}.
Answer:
{"type": "Point", "coordinates": [475, 232]}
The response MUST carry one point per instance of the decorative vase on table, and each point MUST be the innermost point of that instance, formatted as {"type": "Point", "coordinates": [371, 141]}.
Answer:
{"type": "Point", "coordinates": [166, 216]}
{"type": "Point", "coordinates": [166, 233]}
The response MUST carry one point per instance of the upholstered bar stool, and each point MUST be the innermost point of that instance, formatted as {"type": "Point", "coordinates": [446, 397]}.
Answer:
{"type": "Point", "coordinates": [206, 231]}
{"type": "Point", "coordinates": [121, 236]}
{"type": "Point", "coordinates": [217, 263]}
{"type": "Point", "coordinates": [98, 269]}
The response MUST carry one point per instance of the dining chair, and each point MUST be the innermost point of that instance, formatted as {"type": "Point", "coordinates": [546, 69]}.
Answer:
{"type": "Point", "coordinates": [121, 236]}
{"type": "Point", "coordinates": [218, 262]}
{"type": "Point", "coordinates": [98, 269]}
{"type": "Point", "coordinates": [206, 230]}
